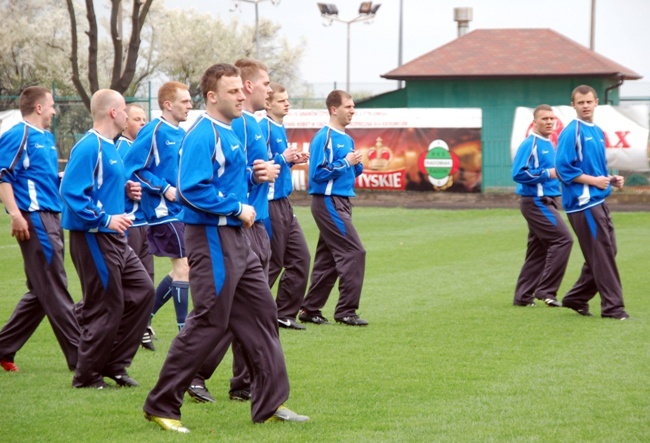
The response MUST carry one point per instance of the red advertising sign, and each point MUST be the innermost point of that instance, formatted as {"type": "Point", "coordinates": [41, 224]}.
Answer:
{"type": "Point", "coordinates": [404, 149]}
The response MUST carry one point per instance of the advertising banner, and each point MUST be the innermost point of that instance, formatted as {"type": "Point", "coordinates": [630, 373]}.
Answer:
{"type": "Point", "coordinates": [436, 149]}
{"type": "Point", "coordinates": [625, 128]}
{"type": "Point", "coordinates": [403, 149]}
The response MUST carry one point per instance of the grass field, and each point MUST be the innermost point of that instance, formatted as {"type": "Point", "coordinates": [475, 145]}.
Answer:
{"type": "Point", "coordinates": [446, 356]}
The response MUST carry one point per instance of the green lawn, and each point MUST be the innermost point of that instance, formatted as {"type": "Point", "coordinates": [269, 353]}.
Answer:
{"type": "Point", "coordinates": [446, 356]}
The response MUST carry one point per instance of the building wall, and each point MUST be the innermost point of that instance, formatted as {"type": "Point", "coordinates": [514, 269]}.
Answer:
{"type": "Point", "coordinates": [498, 99]}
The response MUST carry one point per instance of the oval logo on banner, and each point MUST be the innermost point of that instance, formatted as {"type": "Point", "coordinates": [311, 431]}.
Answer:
{"type": "Point", "coordinates": [439, 164]}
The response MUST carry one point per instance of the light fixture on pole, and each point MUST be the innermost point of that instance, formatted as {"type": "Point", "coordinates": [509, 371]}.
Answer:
{"type": "Point", "coordinates": [235, 7]}
{"type": "Point", "coordinates": [330, 14]}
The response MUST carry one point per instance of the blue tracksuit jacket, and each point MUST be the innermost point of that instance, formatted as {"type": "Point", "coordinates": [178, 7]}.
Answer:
{"type": "Point", "coordinates": [212, 181]}
{"type": "Point", "coordinates": [329, 171]}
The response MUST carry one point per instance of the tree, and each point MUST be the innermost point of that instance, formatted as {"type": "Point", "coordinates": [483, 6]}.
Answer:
{"type": "Point", "coordinates": [188, 42]}
{"type": "Point", "coordinates": [124, 59]}
{"type": "Point", "coordinates": [33, 47]}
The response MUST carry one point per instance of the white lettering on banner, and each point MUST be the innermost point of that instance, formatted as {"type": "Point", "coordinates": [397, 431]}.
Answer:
{"type": "Point", "coordinates": [625, 128]}
{"type": "Point", "coordinates": [382, 180]}
{"type": "Point", "coordinates": [438, 163]}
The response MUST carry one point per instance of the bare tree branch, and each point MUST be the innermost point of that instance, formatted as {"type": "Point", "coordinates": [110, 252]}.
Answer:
{"type": "Point", "coordinates": [93, 78]}
{"type": "Point", "coordinates": [117, 38]}
{"type": "Point", "coordinates": [74, 60]}
{"type": "Point", "coordinates": [138, 17]}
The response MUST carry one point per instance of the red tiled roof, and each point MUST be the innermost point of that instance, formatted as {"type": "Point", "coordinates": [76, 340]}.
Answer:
{"type": "Point", "coordinates": [508, 53]}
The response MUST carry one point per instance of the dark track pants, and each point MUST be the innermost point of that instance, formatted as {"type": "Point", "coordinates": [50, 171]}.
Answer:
{"type": "Point", "coordinates": [231, 296]}
{"type": "Point", "coordinates": [117, 300]}
{"type": "Point", "coordinates": [137, 239]}
{"type": "Point", "coordinates": [47, 294]}
{"type": "Point", "coordinates": [595, 232]}
{"type": "Point", "coordinates": [289, 251]}
{"type": "Point", "coordinates": [240, 381]}
{"type": "Point", "coordinates": [339, 254]}
{"type": "Point", "coordinates": [548, 251]}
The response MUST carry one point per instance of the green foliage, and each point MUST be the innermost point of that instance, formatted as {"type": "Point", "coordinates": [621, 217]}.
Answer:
{"type": "Point", "coordinates": [446, 356]}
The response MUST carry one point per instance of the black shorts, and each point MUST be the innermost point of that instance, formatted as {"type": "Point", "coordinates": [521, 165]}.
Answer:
{"type": "Point", "coordinates": [167, 239]}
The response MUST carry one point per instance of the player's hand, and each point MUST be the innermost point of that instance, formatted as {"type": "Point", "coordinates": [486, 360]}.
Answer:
{"type": "Point", "coordinates": [260, 171]}
{"type": "Point", "coordinates": [552, 173]}
{"type": "Point", "coordinates": [170, 194]}
{"type": "Point", "coordinates": [601, 182]}
{"type": "Point", "coordinates": [120, 223]}
{"type": "Point", "coordinates": [301, 157]}
{"type": "Point", "coordinates": [133, 190]}
{"type": "Point", "coordinates": [290, 155]}
{"type": "Point", "coordinates": [273, 170]}
{"type": "Point", "coordinates": [353, 158]}
{"type": "Point", "coordinates": [19, 227]}
{"type": "Point", "coordinates": [247, 215]}
{"type": "Point", "coordinates": [617, 181]}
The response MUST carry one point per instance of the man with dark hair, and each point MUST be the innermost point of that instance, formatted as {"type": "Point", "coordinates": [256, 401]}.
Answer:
{"type": "Point", "coordinates": [229, 288]}
{"type": "Point", "coordinates": [153, 161]}
{"type": "Point", "coordinates": [333, 168]}
{"type": "Point", "coordinates": [29, 184]}
{"type": "Point", "coordinates": [117, 291]}
{"type": "Point", "coordinates": [549, 238]}
{"type": "Point", "coordinates": [289, 250]}
{"type": "Point", "coordinates": [259, 173]}
{"type": "Point", "coordinates": [581, 165]}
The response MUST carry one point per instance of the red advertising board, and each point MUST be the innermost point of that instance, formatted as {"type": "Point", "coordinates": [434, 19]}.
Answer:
{"type": "Point", "coordinates": [404, 149]}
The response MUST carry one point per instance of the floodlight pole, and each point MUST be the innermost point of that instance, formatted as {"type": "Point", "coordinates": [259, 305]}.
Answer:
{"type": "Point", "coordinates": [362, 17]}
{"type": "Point", "coordinates": [257, 21]}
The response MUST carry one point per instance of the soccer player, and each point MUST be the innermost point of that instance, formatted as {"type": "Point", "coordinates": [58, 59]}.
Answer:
{"type": "Point", "coordinates": [29, 184]}
{"type": "Point", "coordinates": [229, 288]}
{"type": "Point", "coordinates": [581, 165]}
{"type": "Point", "coordinates": [117, 291]}
{"type": "Point", "coordinates": [333, 167]}
{"type": "Point", "coordinates": [137, 233]}
{"type": "Point", "coordinates": [549, 238]}
{"type": "Point", "coordinates": [289, 250]}
{"type": "Point", "coordinates": [153, 161]}
{"type": "Point", "coordinates": [260, 171]}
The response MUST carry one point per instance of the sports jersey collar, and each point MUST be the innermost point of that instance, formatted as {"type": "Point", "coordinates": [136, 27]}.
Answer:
{"type": "Point", "coordinates": [540, 136]}
{"type": "Point", "coordinates": [162, 119]}
{"type": "Point", "coordinates": [106, 139]}
{"type": "Point", "coordinates": [279, 125]}
{"type": "Point", "coordinates": [248, 113]}
{"type": "Point", "coordinates": [585, 123]}
{"type": "Point", "coordinates": [214, 120]}
{"type": "Point", "coordinates": [42, 131]}
{"type": "Point", "coordinates": [336, 130]}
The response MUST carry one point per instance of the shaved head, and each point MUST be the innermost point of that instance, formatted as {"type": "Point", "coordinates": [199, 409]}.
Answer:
{"type": "Point", "coordinates": [103, 101]}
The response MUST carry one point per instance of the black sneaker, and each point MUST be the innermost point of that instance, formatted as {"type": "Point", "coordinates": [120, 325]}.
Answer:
{"type": "Point", "coordinates": [582, 311]}
{"type": "Point", "coordinates": [529, 304]}
{"type": "Point", "coordinates": [553, 303]}
{"type": "Point", "coordinates": [123, 380]}
{"type": "Point", "coordinates": [318, 319]}
{"type": "Point", "coordinates": [617, 317]}
{"type": "Point", "coordinates": [147, 339]}
{"type": "Point", "coordinates": [352, 320]}
{"type": "Point", "coordinates": [200, 393]}
{"type": "Point", "coordinates": [241, 395]}
{"type": "Point", "coordinates": [290, 323]}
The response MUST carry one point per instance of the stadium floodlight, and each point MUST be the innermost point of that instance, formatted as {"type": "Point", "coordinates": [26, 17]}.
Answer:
{"type": "Point", "coordinates": [330, 14]}
{"type": "Point", "coordinates": [328, 9]}
{"type": "Point", "coordinates": [365, 8]}
{"type": "Point", "coordinates": [235, 7]}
